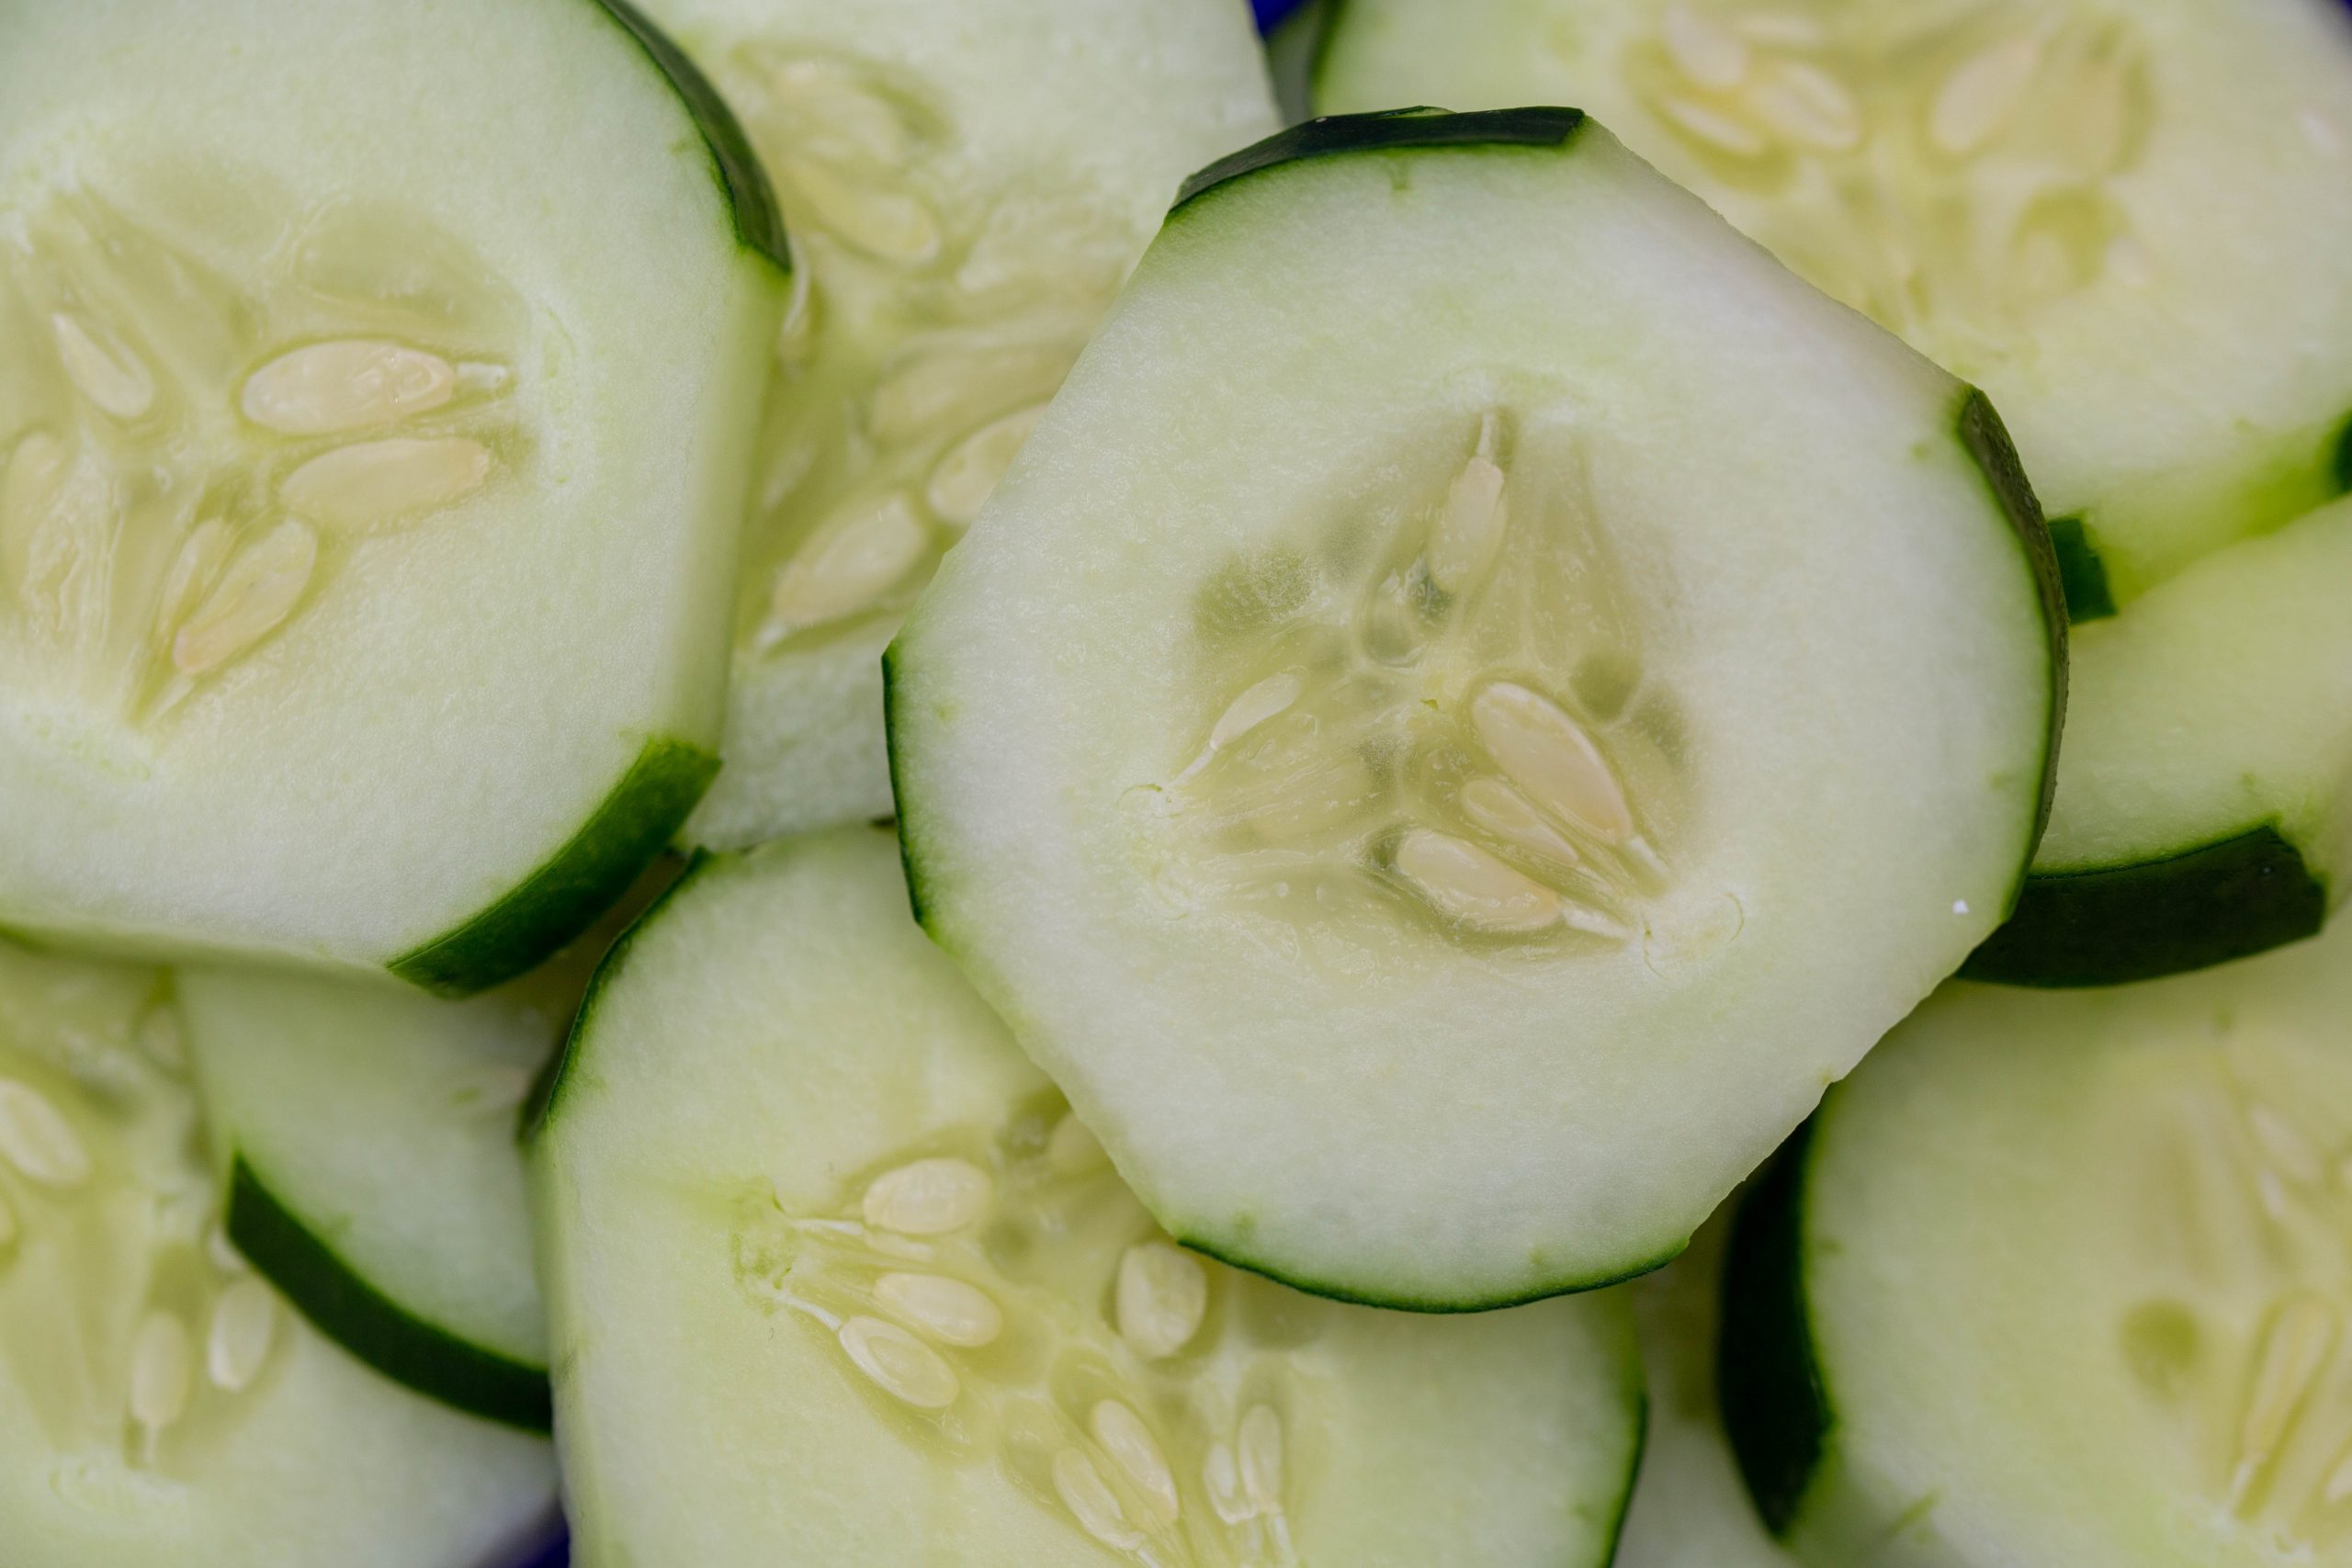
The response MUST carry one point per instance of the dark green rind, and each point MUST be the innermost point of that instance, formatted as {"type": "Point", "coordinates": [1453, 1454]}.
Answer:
{"type": "Point", "coordinates": [1775, 1404]}
{"type": "Point", "coordinates": [356, 1315]}
{"type": "Point", "coordinates": [2344, 459]}
{"type": "Point", "coordinates": [1641, 1448]}
{"type": "Point", "coordinates": [1234, 1259]}
{"type": "Point", "coordinates": [891, 697]}
{"type": "Point", "coordinates": [578, 883]}
{"type": "Point", "coordinates": [1389, 131]}
{"type": "Point", "coordinates": [2192, 910]}
{"type": "Point", "coordinates": [759, 222]}
{"type": "Point", "coordinates": [547, 1092]}
{"type": "Point", "coordinates": [2080, 572]}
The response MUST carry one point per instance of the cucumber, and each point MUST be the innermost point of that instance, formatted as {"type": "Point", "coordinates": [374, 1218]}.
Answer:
{"type": "Point", "coordinates": [966, 180]}
{"type": "Point", "coordinates": [2201, 812]}
{"type": "Point", "coordinates": [1381, 749]}
{"type": "Point", "coordinates": [371, 472]}
{"type": "Point", "coordinates": [2059, 1278]}
{"type": "Point", "coordinates": [846, 1283]}
{"type": "Point", "coordinates": [160, 1406]}
{"type": "Point", "coordinates": [2122, 222]}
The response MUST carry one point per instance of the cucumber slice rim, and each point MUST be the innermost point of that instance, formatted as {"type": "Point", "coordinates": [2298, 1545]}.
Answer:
{"type": "Point", "coordinates": [1421, 127]}
{"type": "Point", "coordinates": [1775, 1397]}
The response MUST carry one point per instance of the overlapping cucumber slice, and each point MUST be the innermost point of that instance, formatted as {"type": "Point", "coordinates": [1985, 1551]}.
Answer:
{"type": "Point", "coordinates": [2123, 221]}
{"type": "Point", "coordinates": [2061, 1278]}
{"type": "Point", "coordinates": [371, 472]}
{"type": "Point", "coordinates": [837, 1279]}
{"type": "Point", "coordinates": [966, 182]}
{"type": "Point", "coordinates": [1490, 694]}
{"type": "Point", "coordinates": [160, 1406]}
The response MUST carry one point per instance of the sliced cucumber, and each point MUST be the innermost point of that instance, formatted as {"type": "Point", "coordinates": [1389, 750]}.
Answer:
{"type": "Point", "coordinates": [371, 469]}
{"type": "Point", "coordinates": [2200, 813]}
{"type": "Point", "coordinates": [2124, 223]}
{"type": "Point", "coordinates": [1487, 695]}
{"type": "Point", "coordinates": [2061, 1280]}
{"type": "Point", "coordinates": [846, 1283]}
{"type": "Point", "coordinates": [159, 1405]}
{"type": "Point", "coordinates": [966, 180]}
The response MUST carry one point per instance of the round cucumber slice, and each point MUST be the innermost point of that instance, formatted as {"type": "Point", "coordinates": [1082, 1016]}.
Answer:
{"type": "Point", "coordinates": [2061, 1278]}
{"type": "Point", "coordinates": [1485, 694]}
{"type": "Point", "coordinates": [371, 473]}
{"type": "Point", "coordinates": [2124, 223]}
{"type": "Point", "coordinates": [160, 1406]}
{"type": "Point", "coordinates": [2199, 814]}
{"type": "Point", "coordinates": [966, 182]}
{"type": "Point", "coordinates": [846, 1283]}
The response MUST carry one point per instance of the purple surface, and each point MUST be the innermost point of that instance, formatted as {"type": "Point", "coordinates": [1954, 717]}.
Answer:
{"type": "Point", "coordinates": [1270, 12]}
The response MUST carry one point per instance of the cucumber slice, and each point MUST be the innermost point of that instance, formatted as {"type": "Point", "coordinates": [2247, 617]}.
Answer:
{"type": "Point", "coordinates": [966, 182]}
{"type": "Point", "coordinates": [2201, 812]}
{"type": "Point", "coordinates": [1688, 1509]}
{"type": "Point", "coordinates": [847, 1285]}
{"type": "Point", "coordinates": [1380, 752]}
{"type": "Point", "coordinates": [373, 473]}
{"type": "Point", "coordinates": [160, 1407]}
{"type": "Point", "coordinates": [2060, 1279]}
{"type": "Point", "coordinates": [2124, 223]}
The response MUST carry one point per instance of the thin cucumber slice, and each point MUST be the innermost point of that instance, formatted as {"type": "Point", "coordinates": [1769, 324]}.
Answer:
{"type": "Point", "coordinates": [2124, 223]}
{"type": "Point", "coordinates": [2200, 813]}
{"type": "Point", "coordinates": [846, 1283]}
{"type": "Point", "coordinates": [2060, 1279]}
{"type": "Point", "coordinates": [371, 473]}
{"type": "Point", "coordinates": [160, 1406]}
{"type": "Point", "coordinates": [966, 180]}
{"type": "Point", "coordinates": [1484, 696]}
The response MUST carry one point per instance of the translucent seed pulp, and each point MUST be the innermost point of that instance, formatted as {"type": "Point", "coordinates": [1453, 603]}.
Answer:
{"type": "Point", "coordinates": [36, 1138]}
{"type": "Point", "coordinates": [856, 561]}
{"type": "Point", "coordinates": [2300, 1338]}
{"type": "Point", "coordinates": [163, 1376]}
{"type": "Point", "coordinates": [1132, 1448]}
{"type": "Point", "coordinates": [1162, 1297]}
{"type": "Point", "coordinates": [1091, 1500]}
{"type": "Point", "coordinates": [900, 1365]}
{"type": "Point", "coordinates": [245, 1321]}
{"type": "Point", "coordinates": [928, 1197]}
{"type": "Point", "coordinates": [254, 598]}
{"type": "Point", "coordinates": [102, 370]}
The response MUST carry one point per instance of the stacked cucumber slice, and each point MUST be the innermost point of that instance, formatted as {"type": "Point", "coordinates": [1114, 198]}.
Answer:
{"type": "Point", "coordinates": [1297, 752]}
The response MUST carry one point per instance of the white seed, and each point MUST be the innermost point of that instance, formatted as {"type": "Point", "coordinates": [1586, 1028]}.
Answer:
{"type": "Point", "coordinates": [200, 555]}
{"type": "Point", "coordinates": [243, 1322]}
{"type": "Point", "coordinates": [1703, 49]}
{"type": "Point", "coordinates": [103, 370]}
{"type": "Point", "coordinates": [1981, 93]}
{"type": "Point", "coordinates": [850, 564]}
{"type": "Point", "coordinates": [38, 1140]}
{"type": "Point", "coordinates": [1510, 816]}
{"type": "Point", "coordinates": [1464, 882]}
{"type": "Point", "coordinates": [1137, 1454]}
{"type": "Point", "coordinates": [1073, 1149]}
{"type": "Point", "coordinates": [328, 388]}
{"type": "Point", "coordinates": [1470, 527]}
{"type": "Point", "coordinates": [2300, 1337]}
{"type": "Point", "coordinates": [946, 393]}
{"type": "Point", "coordinates": [1161, 1296]}
{"type": "Point", "coordinates": [254, 597]}
{"type": "Point", "coordinates": [223, 1252]}
{"type": "Point", "coordinates": [947, 1310]}
{"type": "Point", "coordinates": [1268, 699]}
{"type": "Point", "coordinates": [839, 112]}
{"type": "Point", "coordinates": [1809, 106]}
{"type": "Point", "coordinates": [378, 482]}
{"type": "Point", "coordinates": [1714, 127]}
{"type": "Point", "coordinates": [1091, 1502]}
{"type": "Point", "coordinates": [1548, 755]}
{"type": "Point", "coordinates": [965, 477]}
{"type": "Point", "coordinates": [928, 1197]}
{"type": "Point", "coordinates": [1221, 1478]}
{"type": "Point", "coordinates": [163, 1373]}
{"type": "Point", "coordinates": [1261, 1451]}
{"type": "Point", "coordinates": [901, 1365]}
{"type": "Point", "coordinates": [886, 224]}
{"type": "Point", "coordinates": [2286, 1145]}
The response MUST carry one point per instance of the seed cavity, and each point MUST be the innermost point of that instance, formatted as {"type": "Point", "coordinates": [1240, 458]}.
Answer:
{"type": "Point", "coordinates": [162, 1377]}
{"type": "Point", "coordinates": [889, 224]}
{"type": "Point", "coordinates": [1713, 128]}
{"type": "Point", "coordinates": [948, 1310]}
{"type": "Point", "coordinates": [254, 596]}
{"type": "Point", "coordinates": [1137, 1454]}
{"type": "Point", "coordinates": [969, 474]}
{"type": "Point", "coordinates": [245, 1320]}
{"type": "Point", "coordinates": [102, 369]}
{"type": "Point", "coordinates": [330, 388]}
{"type": "Point", "coordinates": [928, 1197]}
{"type": "Point", "coordinates": [38, 1140]}
{"type": "Point", "coordinates": [2301, 1337]}
{"type": "Point", "coordinates": [1161, 1296]}
{"type": "Point", "coordinates": [1259, 1451]}
{"type": "Point", "coordinates": [357, 488]}
{"type": "Point", "coordinates": [1710, 54]}
{"type": "Point", "coordinates": [1072, 1149]}
{"type": "Point", "coordinates": [899, 1364]}
{"type": "Point", "coordinates": [1983, 94]}
{"type": "Point", "coordinates": [1809, 106]}
{"type": "Point", "coordinates": [1091, 1502]}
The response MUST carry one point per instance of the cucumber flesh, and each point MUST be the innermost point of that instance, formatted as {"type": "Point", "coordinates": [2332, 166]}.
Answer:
{"type": "Point", "coordinates": [966, 184]}
{"type": "Point", "coordinates": [1394, 804]}
{"type": "Point", "coordinates": [160, 1406]}
{"type": "Point", "coordinates": [2124, 223]}
{"type": "Point", "coordinates": [2064, 1275]}
{"type": "Point", "coordinates": [371, 475]}
{"type": "Point", "coordinates": [847, 1285]}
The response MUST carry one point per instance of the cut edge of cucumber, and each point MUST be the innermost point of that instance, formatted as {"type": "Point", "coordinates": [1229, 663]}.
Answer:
{"type": "Point", "coordinates": [2081, 572]}
{"type": "Point", "coordinates": [531, 922]}
{"type": "Point", "coordinates": [1421, 127]}
{"type": "Point", "coordinates": [353, 1313]}
{"type": "Point", "coordinates": [759, 221]}
{"type": "Point", "coordinates": [2224, 900]}
{"type": "Point", "coordinates": [1776, 1408]}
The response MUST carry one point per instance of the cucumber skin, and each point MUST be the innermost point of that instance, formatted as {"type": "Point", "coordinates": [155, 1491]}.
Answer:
{"type": "Point", "coordinates": [528, 924]}
{"type": "Point", "coordinates": [2084, 575]}
{"type": "Point", "coordinates": [1776, 1406]}
{"type": "Point", "coordinates": [371, 1325]}
{"type": "Point", "coordinates": [1391, 128]}
{"type": "Point", "coordinates": [2205, 906]}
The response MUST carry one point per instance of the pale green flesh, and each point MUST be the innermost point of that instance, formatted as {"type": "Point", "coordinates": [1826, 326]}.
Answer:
{"type": "Point", "coordinates": [2219, 703]}
{"type": "Point", "coordinates": [1224, 949]}
{"type": "Point", "coordinates": [704, 1214]}
{"type": "Point", "coordinates": [266, 1446]}
{"type": "Point", "coordinates": [964, 184]}
{"type": "Point", "coordinates": [2122, 221]}
{"type": "Point", "coordinates": [318, 660]}
{"type": "Point", "coordinates": [2076, 1277]}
